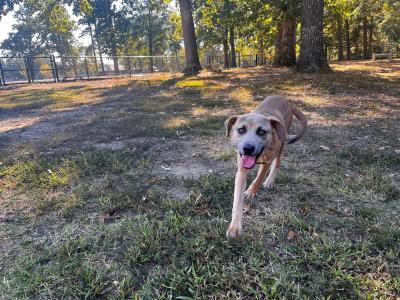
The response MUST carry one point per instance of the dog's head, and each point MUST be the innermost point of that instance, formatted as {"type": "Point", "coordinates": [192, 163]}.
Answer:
{"type": "Point", "coordinates": [252, 133]}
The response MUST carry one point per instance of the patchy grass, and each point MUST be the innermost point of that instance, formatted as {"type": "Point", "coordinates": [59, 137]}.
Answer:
{"type": "Point", "coordinates": [128, 193]}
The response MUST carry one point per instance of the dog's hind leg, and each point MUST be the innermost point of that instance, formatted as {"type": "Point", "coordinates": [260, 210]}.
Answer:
{"type": "Point", "coordinates": [255, 185]}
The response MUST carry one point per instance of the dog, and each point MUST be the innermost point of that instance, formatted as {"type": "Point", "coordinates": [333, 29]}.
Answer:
{"type": "Point", "coordinates": [259, 137]}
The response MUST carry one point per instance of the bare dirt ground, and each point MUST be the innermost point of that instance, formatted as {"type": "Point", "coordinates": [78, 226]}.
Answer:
{"type": "Point", "coordinates": [122, 188]}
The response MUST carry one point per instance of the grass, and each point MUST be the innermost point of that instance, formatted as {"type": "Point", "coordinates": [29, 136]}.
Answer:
{"type": "Point", "coordinates": [130, 197]}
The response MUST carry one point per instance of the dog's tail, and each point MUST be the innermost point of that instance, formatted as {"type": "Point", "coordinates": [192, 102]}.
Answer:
{"type": "Point", "coordinates": [303, 122]}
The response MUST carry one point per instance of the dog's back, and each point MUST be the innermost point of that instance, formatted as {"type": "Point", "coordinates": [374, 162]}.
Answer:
{"type": "Point", "coordinates": [279, 108]}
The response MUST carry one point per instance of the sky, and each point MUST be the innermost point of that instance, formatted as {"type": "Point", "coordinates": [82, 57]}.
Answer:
{"type": "Point", "coordinates": [6, 25]}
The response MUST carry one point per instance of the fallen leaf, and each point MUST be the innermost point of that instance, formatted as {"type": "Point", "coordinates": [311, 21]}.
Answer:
{"type": "Point", "coordinates": [291, 235]}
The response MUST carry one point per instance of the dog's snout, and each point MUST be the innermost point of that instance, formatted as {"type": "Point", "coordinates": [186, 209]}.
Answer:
{"type": "Point", "coordinates": [248, 149]}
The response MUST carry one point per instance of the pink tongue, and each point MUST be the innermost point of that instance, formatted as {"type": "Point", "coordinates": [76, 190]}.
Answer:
{"type": "Point", "coordinates": [248, 161]}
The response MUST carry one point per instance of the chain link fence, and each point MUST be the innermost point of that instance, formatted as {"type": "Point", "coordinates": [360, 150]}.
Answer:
{"type": "Point", "coordinates": [63, 68]}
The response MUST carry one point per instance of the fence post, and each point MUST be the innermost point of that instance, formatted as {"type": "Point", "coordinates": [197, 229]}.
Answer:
{"type": "Point", "coordinates": [129, 66]}
{"type": "Point", "coordinates": [162, 64]}
{"type": "Point", "coordinates": [2, 79]}
{"type": "Point", "coordinates": [54, 68]}
{"type": "Point", "coordinates": [87, 70]}
{"type": "Point", "coordinates": [239, 58]}
{"type": "Point", "coordinates": [28, 72]}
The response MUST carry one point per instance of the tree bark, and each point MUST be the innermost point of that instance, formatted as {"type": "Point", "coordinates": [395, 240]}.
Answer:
{"type": "Point", "coordinates": [285, 43]}
{"type": "Point", "coordinates": [348, 48]}
{"type": "Point", "coordinates": [150, 39]}
{"type": "Point", "coordinates": [99, 48]}
{"type": "Point", "coordinates": [93, 48]}
{"type": "Point", "coordinates": [356, 36]}
{"type": "Point", "coordinates": [340, 38]}
{"type": "Point", "coordinates": [192, 62]}
{"type": "Point", "coordinates": [233, 50]}
{"type": "Point", "coordinates": [365, 37]}
{"type": "Point", "coordinates": [371, 29]}
{"type": "Point", "coordinates": [312, 57]}
{"type": "Point", "coordinates": [226, 50]}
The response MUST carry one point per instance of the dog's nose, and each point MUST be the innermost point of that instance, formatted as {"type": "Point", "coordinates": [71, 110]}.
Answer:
{"type": "Point", "coordinates": [248, 149]}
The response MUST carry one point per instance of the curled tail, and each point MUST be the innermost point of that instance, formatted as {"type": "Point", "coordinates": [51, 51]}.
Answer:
{"type": "Point", "coordinates": [303, 122]}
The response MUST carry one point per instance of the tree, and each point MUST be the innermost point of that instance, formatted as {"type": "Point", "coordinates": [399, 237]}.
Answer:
{"type": "Point", "coordinates": [312, 55]}
{"type": "Point", "coordinates": [285, 39]}
{"type": "Point", "coordinates": [42, 28]}
{"type": "Point", "coordinates": [148, 21]}
{"type": "Point", "coordinates": [192, 62]}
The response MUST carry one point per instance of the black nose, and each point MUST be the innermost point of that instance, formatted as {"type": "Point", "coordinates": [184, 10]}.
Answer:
{"type": "Point", "coordinates": [248, 149]}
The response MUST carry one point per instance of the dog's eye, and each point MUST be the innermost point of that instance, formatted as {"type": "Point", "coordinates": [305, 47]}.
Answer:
{"type": "Point", "coordinates": [242, 130]}
{"type": "Point", "coordinates": [261, 132]}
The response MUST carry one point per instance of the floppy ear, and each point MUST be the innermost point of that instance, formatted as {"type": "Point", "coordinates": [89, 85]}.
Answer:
{"type": "Point", "coordinates": [280, 129]}
{"type": "Point", "coordinates": [229, 123]}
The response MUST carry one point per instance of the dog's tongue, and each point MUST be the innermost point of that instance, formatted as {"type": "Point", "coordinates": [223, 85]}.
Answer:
{"type": "Point", "coordinates": [248, 161]}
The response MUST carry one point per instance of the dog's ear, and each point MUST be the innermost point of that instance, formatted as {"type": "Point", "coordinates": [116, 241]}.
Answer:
{"type": "Point", "coordinates": [229, 123]}
{"type": "Point", "coordinates": [280, 129]}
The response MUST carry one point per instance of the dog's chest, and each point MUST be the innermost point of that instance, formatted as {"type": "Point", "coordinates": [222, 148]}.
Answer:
{"type": "Point", "coordinates": [268, 155]}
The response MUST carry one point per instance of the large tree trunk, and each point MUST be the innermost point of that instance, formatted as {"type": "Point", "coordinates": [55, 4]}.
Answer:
{"type": "Point", "coordinates": [285, 43]}
{"type": "Point", "coordinates": [312, 58]}
{"type": "Point", "coordinates": [348, 48]}
{"type": "Point", "coordinates": [226, 50]}
{"type": "Point", "coordinates": [233, 50]}
{"type": "Point", "coordinates": [371, 29]}
{"type": "Point", "coordinates": [365, 37]}
{"type": "Point", "coordinates": [340, 38]}
{"type": "Point", "coordinates": [192, 64]}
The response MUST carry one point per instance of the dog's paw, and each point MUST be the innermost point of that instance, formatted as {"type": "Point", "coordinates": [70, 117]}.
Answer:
{"type": "Point", "coordinates": [268, 184]}
{"type": "Point", "coordinates": [234, 232]}
{"type": "Point", "coordinates": [250, 193]}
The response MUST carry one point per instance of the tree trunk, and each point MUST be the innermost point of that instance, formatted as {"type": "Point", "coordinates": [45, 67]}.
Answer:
{"type": "Point", "coordinates": [226, 50]}
{"type": "Point", "coordinates": [348, 48]}
{"type": "Point", "coordinates": [261, 55]}
{"type": "Point", "coordinates": [150, 39]}
{"type": "Point", "coordinates": [93, 48]}
{"type": "Point", "coordinates": [312, 58]}
{"type": "Point", "coordinates": [232, 42]}
{"type": "Point", "coordinates": [192, 62]}
{"type": "Point", "coordinates": [99, 49]}
{"type": "Point", "coordinates": [285, 43]}
{"type": "Point", "coordinates": [356, 35]}
{"type": "Point", "coordinates": [340, 38]}
{"type": "Point", "coordinates": [365, 37]}
{"type": "Point", "coordinates": [371, 29]}
{"type": "Point", "coordinates": [151, 61]}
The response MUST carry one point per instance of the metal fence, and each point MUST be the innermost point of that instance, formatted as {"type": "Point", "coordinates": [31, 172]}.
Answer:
{"type": "Point", "coordinates": [63, 68]}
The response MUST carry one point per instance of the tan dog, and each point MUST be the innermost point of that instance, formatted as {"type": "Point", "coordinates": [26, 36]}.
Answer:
{"type": "Point", "coordinates": [260, 137]}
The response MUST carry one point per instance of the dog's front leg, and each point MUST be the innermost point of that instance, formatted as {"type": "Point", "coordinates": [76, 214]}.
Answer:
{"type": "Point", "coordinates": [235, 228]}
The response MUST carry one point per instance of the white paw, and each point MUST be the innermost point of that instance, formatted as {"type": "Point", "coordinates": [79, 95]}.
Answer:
{"type": "Point", "coordinates": [234, 231]}
{"type": "Point", "coordinates": [268, 184]}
